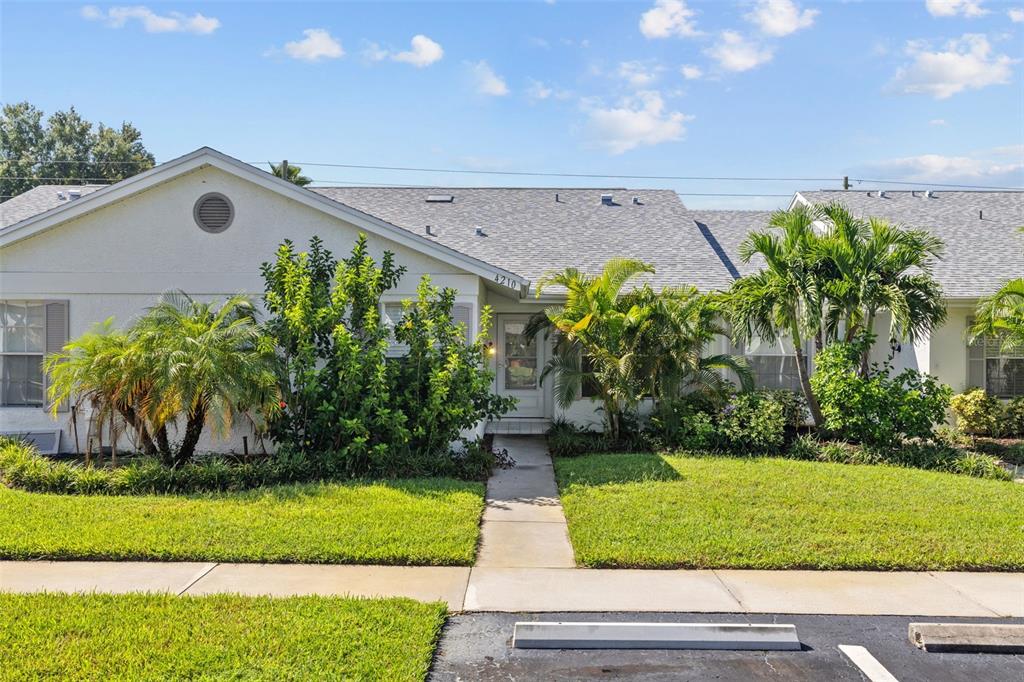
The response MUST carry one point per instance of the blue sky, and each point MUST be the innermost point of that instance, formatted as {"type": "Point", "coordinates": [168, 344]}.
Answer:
{"type": "Point", "coordinates": [922, 90]}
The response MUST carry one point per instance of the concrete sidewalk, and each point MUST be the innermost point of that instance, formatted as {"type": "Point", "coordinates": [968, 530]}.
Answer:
{"type": "Point", "coordinates": [978, 595]}
{"type": "Point", "coordinates": [526, 564]}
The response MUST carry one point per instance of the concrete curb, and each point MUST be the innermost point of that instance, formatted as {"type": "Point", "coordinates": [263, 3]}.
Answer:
{"type": "Point", "coordinates": [726, 636]}
{"type": "Point", "coordinates": [968, 638]}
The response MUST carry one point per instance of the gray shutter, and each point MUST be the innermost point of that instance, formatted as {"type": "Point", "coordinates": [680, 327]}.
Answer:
{"type": "Point", "coordinates": [463, 313]}
{"type": "Point", "coordinates": [975, 361]}
{"type": "Point", "coordinates": [56, 336]}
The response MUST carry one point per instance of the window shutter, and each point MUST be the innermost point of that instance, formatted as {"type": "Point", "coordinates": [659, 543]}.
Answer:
{"type": "Point", "coordinates": [392, 317]}
{"type": "Point", "coordinates": [463, 313]}
{"type": "Point", "coordinates": [56, 336]}
{"type": "Point", "coordinates": [975, 361]}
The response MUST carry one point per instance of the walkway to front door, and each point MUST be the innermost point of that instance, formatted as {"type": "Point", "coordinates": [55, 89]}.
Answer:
{"type": "Point", "coordinates": [523, 524]}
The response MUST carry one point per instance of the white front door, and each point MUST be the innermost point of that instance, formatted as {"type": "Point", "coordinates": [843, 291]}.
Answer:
{"type": "Point", "coordinates": [520, 361]}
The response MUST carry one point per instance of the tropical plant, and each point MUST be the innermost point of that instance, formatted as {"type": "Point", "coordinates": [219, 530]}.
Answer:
{"type": "Point", "coordinates": [207, 363]}
{"type": "Point", "coordinates": [210, 363]}
{"type": "Point", "coordinates": [295, 175]}
{"type": "Point", "coordinates": [1002, 315]}
{"type": "Point", "coordinates": [785, 299]}
{"type": "Point", "coordinates": [869, 266]}
{"type": "Point", "coordinates": [595, 321]}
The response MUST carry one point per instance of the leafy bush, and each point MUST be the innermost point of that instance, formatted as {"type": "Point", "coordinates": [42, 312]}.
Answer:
{"type": "Point", "coordinates": [347, 404]}
{"type": "Point", "coordinates": [689, 422]}
{"type": "Point", "coordinates": [879, 410]}
{"type": "Point", "coordinates": [1013, 418]}
{"type": "Point", "coordinates": [756, 421]}
{"type": "Point", "coordinates": [976, 412]}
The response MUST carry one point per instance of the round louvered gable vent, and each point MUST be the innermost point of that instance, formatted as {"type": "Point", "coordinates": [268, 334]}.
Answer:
{"type": "Point", "coordinates": [213, 212]}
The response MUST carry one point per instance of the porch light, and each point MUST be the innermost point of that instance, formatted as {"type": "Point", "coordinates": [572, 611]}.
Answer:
{"type": "Point", "coordinates": [491, 350]}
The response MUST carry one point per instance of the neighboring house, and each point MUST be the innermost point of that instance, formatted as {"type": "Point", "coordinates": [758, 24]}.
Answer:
{"type": "Point", "coordinates": [73, 256]}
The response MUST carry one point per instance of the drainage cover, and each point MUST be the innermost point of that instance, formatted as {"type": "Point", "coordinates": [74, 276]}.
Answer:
{"type": "Point", "coordinates": [742, 637]}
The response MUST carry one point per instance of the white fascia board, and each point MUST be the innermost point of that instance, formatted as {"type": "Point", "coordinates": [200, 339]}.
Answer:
{"type": "Point", "coordinates": [206, 156]}
{"type": "Point", "coordinates": [797, 199]}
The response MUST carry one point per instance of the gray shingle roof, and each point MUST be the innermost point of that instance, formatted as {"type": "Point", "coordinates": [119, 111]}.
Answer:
{"type": "Point", "coordinates": [981, 252]}
{"type": "Point", "coordinates": [38, 200]}
{"type": "Point", "coordinates": [529, 233]}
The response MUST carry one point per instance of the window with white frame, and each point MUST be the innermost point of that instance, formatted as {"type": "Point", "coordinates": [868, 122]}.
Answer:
{"type": "Point", "coordinates": [1000, 372]}
{"type": "Point", "coordinates": [29, 330]}
{"type": "Point", "coordinates": [773, 364]}
{"type": "Point", "coordinates": [391, 316]}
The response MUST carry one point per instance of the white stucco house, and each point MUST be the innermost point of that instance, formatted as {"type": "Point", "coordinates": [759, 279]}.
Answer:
{"type": "Point", "coordinates": [72, 256]}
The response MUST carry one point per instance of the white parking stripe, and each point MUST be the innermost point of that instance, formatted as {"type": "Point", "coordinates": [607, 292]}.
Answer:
{"type": "Point", "coordinates": [867, 663]}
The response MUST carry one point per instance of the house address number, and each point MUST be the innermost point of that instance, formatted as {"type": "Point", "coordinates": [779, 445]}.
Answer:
{"type": "Point", "coordinates": [506, 281]}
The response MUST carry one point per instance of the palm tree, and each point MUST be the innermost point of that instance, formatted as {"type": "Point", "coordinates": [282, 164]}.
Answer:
{"type": "Point", "coordinates": [670, 345]}
{"type": "Point", "coordinates": [785, 299]}
{"type": "Point", "coordinates": [97, 368]}
{"type": "Point", "coordinates": [874, 266]}
{"type": "Point", "coordinates": [295, 175]}
{"type": "Point", "coordinates": [210, 363]}
{"type": "Point", "coordinates": [594, 322]}
{"type": "Point", "coordinates": [1002, 315]}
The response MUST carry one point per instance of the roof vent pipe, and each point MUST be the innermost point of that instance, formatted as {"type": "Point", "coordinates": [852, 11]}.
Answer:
{"type": "Point", "coordinates": [928, 194]}
{"type": "Point", "coordinates": [636, 201]}
{"type": "Point", "coordinates": [980, 217]}
{"type": "Point", "coordinates": [428, 231]}
{"type": "Point", "coordinates": [556, 198]}
{"type": "Point", "coordinates": [881, 194]}
{"type": "Point", "coordinates": [480, 232]}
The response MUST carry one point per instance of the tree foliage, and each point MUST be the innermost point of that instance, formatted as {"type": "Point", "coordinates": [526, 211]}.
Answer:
{"type": "Point", "coordinates": [64, 148]}
{"type": "Point", "coordinates": [295, 175]}
{"type": "Point", "coordinates": [184, 363]}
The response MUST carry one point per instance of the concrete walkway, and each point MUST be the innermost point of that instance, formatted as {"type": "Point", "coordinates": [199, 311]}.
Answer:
{"type": "Point", "coordinates": [525, 564]}
{"type": "Point", "coordinates": [523, 524]}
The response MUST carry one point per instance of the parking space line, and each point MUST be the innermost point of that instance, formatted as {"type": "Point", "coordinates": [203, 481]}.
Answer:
{"type": "Point", "coordinates": [867, 663]}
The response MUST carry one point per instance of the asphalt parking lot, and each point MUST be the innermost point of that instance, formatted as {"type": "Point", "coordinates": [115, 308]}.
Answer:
{"type": "Point", "coordinates": [477, 646]}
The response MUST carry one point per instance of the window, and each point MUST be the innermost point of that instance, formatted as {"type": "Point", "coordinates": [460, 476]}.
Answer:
{"type": "Point", "coordinates": [1000, 373]}
{"type": "Point", "coordinates": [462, 313]}
{"type": "Point", "coordinates": [773, 365]}
{"type": "Point", "coordinates": [22, 343]}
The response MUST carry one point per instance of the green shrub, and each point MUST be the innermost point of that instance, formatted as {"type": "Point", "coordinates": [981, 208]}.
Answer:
{"type": "Point", "coordinates": [688, 422]}
{"type": "Point", "coordinates": [349, 406]}
{"type": "Point", "coordinates": [566, 439]}
{"type": "Point", "coordinates": [1013, 418]}
{"type": "Point", "coordinates": [976, 412]}
{"type": "Point", "coordinates": [879, 410]}
{"type": "Point", "coordinates": [756, 421]}
{"type": "Point", "coordinates": [804, 447]}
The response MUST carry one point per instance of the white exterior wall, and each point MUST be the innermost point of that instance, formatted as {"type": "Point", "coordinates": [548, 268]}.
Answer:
{"type": "Point", "coordinates": [117, 260]}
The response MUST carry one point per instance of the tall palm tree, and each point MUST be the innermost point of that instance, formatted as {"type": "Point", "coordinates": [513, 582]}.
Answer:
{"type": "Point", "coordinates": [295, 175]}
{"type": "Point", "coordinates": [785, 299]}
{"type": "Point", "coordinates": [875, 266]}
{"type": "Point", "coordinates": [1002, 315]}
{"type": "Point", "coordinates": [211, 363]}
{"type": "Point", "coordinates": [594, 322]}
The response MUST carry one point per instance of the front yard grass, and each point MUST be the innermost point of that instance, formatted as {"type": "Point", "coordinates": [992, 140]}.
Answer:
{"type": "Point", "coordinates": [163, 637]}
{"type": "Point", "coordinates": [661, 511]}
{"type": "Point", "coordinates": [415, 521]}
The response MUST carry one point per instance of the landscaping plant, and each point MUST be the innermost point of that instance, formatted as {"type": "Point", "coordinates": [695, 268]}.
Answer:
{"type": "Point", "coordinates": [345, 401]}
{"type": "Point", "coordinates": [977, 413]}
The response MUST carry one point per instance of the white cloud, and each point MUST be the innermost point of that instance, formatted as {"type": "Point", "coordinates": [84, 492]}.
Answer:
{"type": "Point", "coordinates": [668, 18]}
{"type": "Point", "coordinates": [638, 74]}
{"type": "Point", "coordinates": [983, 167]}
{"type": "Point", "coordinates": [964, 63]}
{"type": "Point", "coordinates": [781, 17]}
{"type": "Point", "coordinates": [538, 91]}
{"type": "Point", "coordinates": [318, 44]}
{"type": "Point", "coordinates": [423, 52]}
{"type": "Point", "coordinates": [172, 22]}
{"type": "Point", "coordinates": [938, 122]}
{"type": "Point", "coordinates": [736, 53]}
{"type": "Point", "coordinates": [691, 72]}
{"type": "Point", "coordinates": [640, 120]}
{"type": "Point", "coordinates": [1016, 14]}
{"type": "Point", "coordinates": [375, 53]}
{"type": "Point", "coordinates": [487, 82]}
{"type": "Point", "coordinates": [951, 8]}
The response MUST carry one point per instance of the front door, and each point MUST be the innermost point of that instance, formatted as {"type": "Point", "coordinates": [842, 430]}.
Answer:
{"type": "Point", "coordinates": [520, 361]}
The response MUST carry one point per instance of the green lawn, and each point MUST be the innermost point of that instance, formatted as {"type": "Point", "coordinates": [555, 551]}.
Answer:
{"type": "Point", "coordinates": [723, 512]}
{"type": "Point", "coordinates": [421, 521]}
{"type": "Point", "coordinates": [162, 637]}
